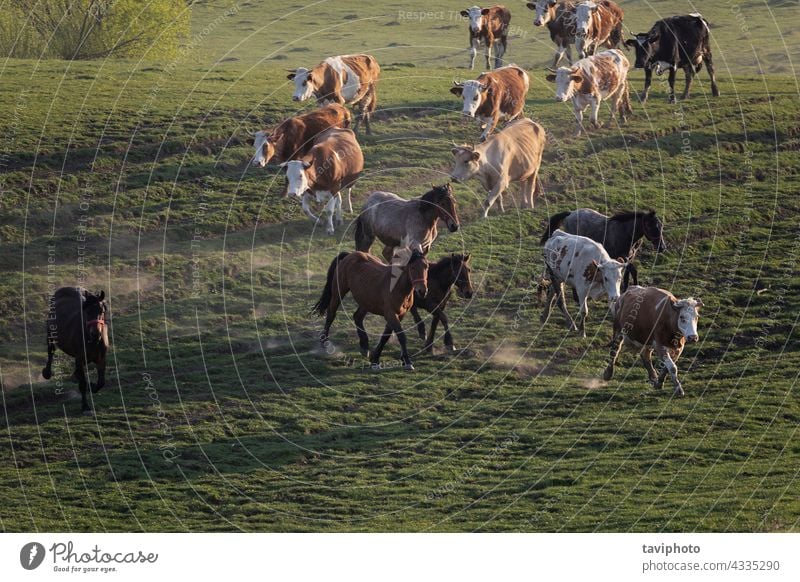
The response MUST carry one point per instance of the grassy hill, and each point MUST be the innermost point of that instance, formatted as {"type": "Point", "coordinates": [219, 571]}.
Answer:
{"type": "Point", "coordinates": [221, 412]}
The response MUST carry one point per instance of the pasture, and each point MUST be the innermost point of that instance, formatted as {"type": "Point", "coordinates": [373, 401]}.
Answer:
{"type": "Point", "coordinates": [222, 413]}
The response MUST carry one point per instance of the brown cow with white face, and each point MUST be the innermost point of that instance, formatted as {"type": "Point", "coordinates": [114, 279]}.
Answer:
{"type": "Point", "coordinates": [295, 136]}
{"type": "Point", "coordinates": [652, 319]}
{"type": "Point", "coordinates": [597, 24]}
{"type": "Point", "coordinates": [559, 18]}
{"type": "Point", "coordinates": [346, 79]}
{"type": "Point", "coordinates": [496, 95]}
{"type": "Point", "coordinates": [488, 26]}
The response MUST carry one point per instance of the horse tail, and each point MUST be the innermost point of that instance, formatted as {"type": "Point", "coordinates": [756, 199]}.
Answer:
{"type": "Point", "coordinates": [555, 222]}
{"type": "Point", "coordinates": [321, 306]}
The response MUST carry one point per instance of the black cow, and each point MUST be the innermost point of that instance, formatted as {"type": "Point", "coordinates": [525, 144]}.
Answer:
{"type": "Point", "coordinates": [673, 43]}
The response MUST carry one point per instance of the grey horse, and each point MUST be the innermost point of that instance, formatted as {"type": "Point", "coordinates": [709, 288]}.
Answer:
{"type": "Point", "coordinates": [398, 222]}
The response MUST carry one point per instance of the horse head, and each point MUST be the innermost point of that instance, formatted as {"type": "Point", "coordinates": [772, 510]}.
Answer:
{"type": "Point", "coordinates": [442, 198]}
{"type": "Point", "coordinates": [461, 275]}
{"type": "Point", "coordinates": [654, 231]}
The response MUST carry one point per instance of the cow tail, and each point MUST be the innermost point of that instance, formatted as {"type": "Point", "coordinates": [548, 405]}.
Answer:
{"type": "Point", "coordinates": [321, 306]}
{"type": "Point", "coordinates": [555, 221]}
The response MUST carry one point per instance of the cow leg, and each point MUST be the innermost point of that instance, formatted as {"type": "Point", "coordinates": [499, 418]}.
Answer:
{"type": "Point", "coordinates": [646, 355]}
{"type": "Point", "coordinates": [595, 105]}
{"type": "Point", "coordinates": [584, 309]}
{"type": "Point", "coordinates": [648, 80]}
{"type": "Point", "coordinates": [488, 53]}
{"type": "Point", "coordinates": [81, 372]}
{"type": "Point", "coordinates": [306, 204]}
{"type": "Point", "coordinates": [499, 51]}
{"type": "Point", "coordinates": [339, 218]}
{"type": "Point", "coordinates": [330, 210]}
{"type": "Point", "coordinates": [562, 305]}
{"type": "Point", "coordinates": [689, 71]}
{"type": "Point", "coordinates": [418, 322]}
{"type": "Point", "coordinates": [559, 54]}
{"type": "Point", "coordinates": [363, 338]}
{"type": "Point", "coordinates": [613, 354]}
{"type": "Point", "coordinates": [527, 190]}
{"type": "Point", "coordinates": [490, 127]}
{"type": "Point", "coordinates": [578, 118]}
{"type": "Point", "coordinates": [548, 302]}
{"type": "Point", "coordinates": [349, 200]}
{"type": "Point", "coordinates": [671, 80]}
{"type": "Point", "coordinates": [493, 195]}
{"type": "Point", "coordinates": [671, 368]}
{"type": "Point", "coordinates": [473, 52]}
{"type": "Point", "coordinates": [710, 68]}
{"type": "Point", "coordinates": [47, 371]}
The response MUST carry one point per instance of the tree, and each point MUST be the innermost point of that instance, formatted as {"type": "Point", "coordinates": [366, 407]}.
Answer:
{"type": "Point", "coordinates": [92, 29]}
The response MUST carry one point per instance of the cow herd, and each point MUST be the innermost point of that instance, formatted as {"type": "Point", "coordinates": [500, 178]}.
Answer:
{"type": "Point", "coordinates": [592, 253]}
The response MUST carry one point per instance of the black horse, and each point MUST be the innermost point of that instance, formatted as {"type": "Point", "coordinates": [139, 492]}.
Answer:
{"type": "Point", "coordinates": [442, 275]}
{"type": "Point", "coordinates": [620, 234]}
{"type": "Point", "coordinates": [76, 323]}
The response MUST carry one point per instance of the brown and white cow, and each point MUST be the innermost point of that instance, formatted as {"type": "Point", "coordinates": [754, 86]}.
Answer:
{"type": "Point", "coordinates": [584, 265]}
{"type": "Point", "coordinates": [333, 164]}
{"type": "Point", "coordinates": [511, 155]}
{"type": "Point", "coordinates": [496, 95]}
{"type": "Point", "coordinates": [590, 81]}
{"type": "Point", "coordinates": [488, 26]}
{"type": "Point", "coordinates": [652, 319]}
{"type": "Point", "coordinates": [346, 79]}
{"type": "Point", "coordinates": [597, 24]}
{"type": "Point", "coordinates": [295, 136]}
{"type": "Point", "coordinates": [559, 17]}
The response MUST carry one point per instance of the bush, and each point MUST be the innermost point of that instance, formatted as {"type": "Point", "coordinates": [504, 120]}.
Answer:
{"type": "Point", "coordinates": [93, 29]}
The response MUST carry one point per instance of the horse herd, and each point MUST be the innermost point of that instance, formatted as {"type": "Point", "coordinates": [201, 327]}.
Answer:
{"type": "Point", "coordinates": [583, 249]}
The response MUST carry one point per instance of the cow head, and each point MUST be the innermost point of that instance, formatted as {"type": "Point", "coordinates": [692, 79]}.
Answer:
{"type": "Point", "coordinates": [476, 17]}
{"type": "Point", "coordinates": [305, 83]}
{"type": "Point", "coordinates": [473, 94]}
{"type": "Point", "coordinates": [654, 231]}
{"type": "Point", "coordinates": [688, 314]}
{"type": "Point", "coordinates": [265, 148]}
{"type": "Point", "coordinates": [467, 163]}
{"type": "Point", "coordinates": [583, 17]}
{"type": "Point", "coordinates": [566, 80]}
{"type": "Point", "coordinates": [644, 50]}
{"type": "Point", "coordinates": [544, 11]}
{"type": "Point", "coordinates": [611, 272]}
{"type": "Point", "coordinates": [297, 176]}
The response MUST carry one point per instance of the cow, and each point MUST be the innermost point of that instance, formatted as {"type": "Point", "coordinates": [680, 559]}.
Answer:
{"type": "Point", "coordinates": [345, 79]}
{"type": "Point", "coordinates": [678, 42]}
{"type": "Point", "coordinates": [597, 24]}
{"type": "Point", "coordinates": [584, 265]}
{"type": "Point", "coordinates": [488, 26]}
{"type": "Point", "coordinates": [559, 17]}
{"type": "Point", "coordinates": [511, 155]}
{"type": "Point", "coordinates": [331, 165]}
{"type": "Point", "coordinates": [591, 80]}
{"type": "Point", "coordinates": [652, 319]}
{"type": "Point", "coordinates": [496, 95]}
{"type": "Point", "coordinates": [295, 136]}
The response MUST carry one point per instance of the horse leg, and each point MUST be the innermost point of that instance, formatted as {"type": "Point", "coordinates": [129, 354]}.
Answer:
{"type": "Point", "coordinates": [418, 322]}
{"type": "Point", "coordinates": [337, 292]}
{"type": "Point", "coordinates": [448, 337]}
{"type": "Point", "coordinates": [388, 253]}
{"type": "Point", "coordinates": [394, 322]}
{"type": "Point", "coordinates": [363, 338]}
{"type": "Point", "coordinates": [432, 331]}
{"type": "Point", "coordinates": [101, 375]}
{"type": "Point", "coordinates": [616, 347]}
{"type": "Point", "coordinates": [80, 370]}
{"type": "Point", "coordinates": [375, 356]}
{"type": "Point", "coordinates": [47, 371]}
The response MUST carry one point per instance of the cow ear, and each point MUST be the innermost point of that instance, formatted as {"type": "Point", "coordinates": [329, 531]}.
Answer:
{"type": "Point", "coordinates": [464, 13]}
{"type": "Point", "coordinates": [476, 156]}
{"type": "Point", "coordinates": [620, 260]}
{"type": "Point", "coordinates": [467, 257]}
{"type": "Point", "coordinates": [576, 78]}
{"type": "Point", "coordinates": [484, 12]}
{"type": "Point", "coordinates": [457, 90]}
{"type": "Point", "coordinates": [306, 165]}
{"type": "Point", "coordinates": [283, 164]}
{"type": "Point", "coordinates": [291, 76]}
{"type": "Point", "coordinates": [531, 5]}
{"type": "Point", "coordinates": [630, 43]}
{"type": "Point", "coordinates": [551, 78]}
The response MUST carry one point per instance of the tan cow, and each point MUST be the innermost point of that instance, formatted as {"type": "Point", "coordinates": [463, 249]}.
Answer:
{"type": "Point", "coordinates": [591, 80]}
{"type": "Point", "coordinates": [332, 165]}
{"type": "Point", "coordinates": [597, 24]}
{"type": "Point", "coordinates": [511, 155]}
{"type": "Point", "coordinates": [345, 79]}
{"type": "Point", "coordinates": [648, 319]}
{"type": "Point", "coordinates": [488, 26]}
{"type": "Point", "coordinates": [496, 95]}
{"type": "Point", "coordinates": [295, 136]}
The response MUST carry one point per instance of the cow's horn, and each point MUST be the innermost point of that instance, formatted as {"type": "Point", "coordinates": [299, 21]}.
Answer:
{"type": "Point", "coordinates": [552, 70]}
{"type": "Point", "coordinates": [458, 83]}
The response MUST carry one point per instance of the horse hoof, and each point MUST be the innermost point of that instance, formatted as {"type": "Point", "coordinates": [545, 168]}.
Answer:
{"type": "Point", "coordinates": [679, 392]}
{"type": "Point", "coordinates": [47, 373]}
{"type": "Point", "coordinates": [88, 412]}
{"type": "Point", "coordinates": [365, 353]}
{"type": "Point", "coordinates": [95, 388]}
{"type": "Point", "coordinates": [409, 367]}
{"type": "Point", "coordinates": [608, 374]}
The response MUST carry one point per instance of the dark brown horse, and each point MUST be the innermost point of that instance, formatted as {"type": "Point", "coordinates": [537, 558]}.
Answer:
{"type": "Point", "coordinates": [442, 275]}
{"type": "Point", "coordinates": [398, 222]}
{"type": "Point", "coordinates": [386, 290]}
{"type": "Point", "coordinates": [76, 323]}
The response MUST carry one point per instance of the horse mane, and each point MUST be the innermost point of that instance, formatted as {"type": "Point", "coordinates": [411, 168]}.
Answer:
{"type": "Point", "coordinates": [434, 194]}
{"type": "Point", "coordinates": [633, 215]}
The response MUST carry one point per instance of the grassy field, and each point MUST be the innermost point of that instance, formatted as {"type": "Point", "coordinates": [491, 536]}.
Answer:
{"type": "Point", "coordinates": [221, 412]}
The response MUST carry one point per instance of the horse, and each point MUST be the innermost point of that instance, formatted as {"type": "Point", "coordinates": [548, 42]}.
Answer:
{"type": "Point", "coordinates": [442, 275]}
{"type": "Point", "coordinates": [386, 290]}
{"type": "Point", "coordinates": [76, 323]}
{"type": "Point", "coordinates": [620, 234]}
{"type": "Point", "coordinates": [398, 222]}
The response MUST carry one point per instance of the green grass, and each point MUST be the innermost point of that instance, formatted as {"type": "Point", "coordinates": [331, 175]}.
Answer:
{"type": "Point", "coordinates": [221, 413]}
